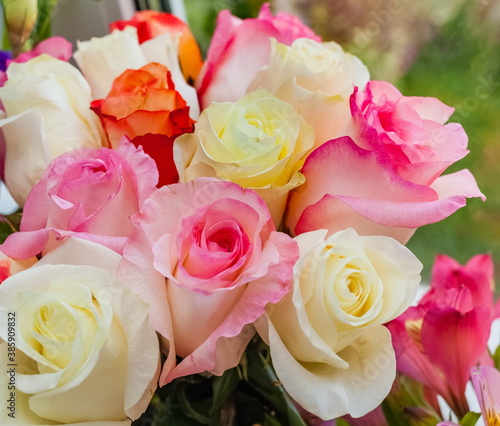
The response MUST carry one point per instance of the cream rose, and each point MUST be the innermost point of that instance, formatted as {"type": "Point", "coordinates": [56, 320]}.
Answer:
{"type": "Point", "coordinates": [326, 335]}
{"type": "Point", "coordinates": [317, 79]}
{"type": "Point", "coordinates": [47, 104]}
{"type": "Point", "coordinates": [258, 142]}
{"type": "Point", "coordinates": [85, 352]}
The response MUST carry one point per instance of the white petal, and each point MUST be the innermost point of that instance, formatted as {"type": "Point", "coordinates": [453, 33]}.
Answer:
{"type": "Point", "coordinates": [330, 392]}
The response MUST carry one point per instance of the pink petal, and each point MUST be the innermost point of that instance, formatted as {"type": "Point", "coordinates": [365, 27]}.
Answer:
{"type": "Point", "coordinates": [221, 350]}
{"type": "Point", "coordinates": [58, 47]}
{"type": "Point", "coordinates": [486, 382]}
{"type": "Point", "coordinates": [431, 109]}
{"type": "Point", "coordinates": [23, 245]}
{"type": "Point", "coordinates": [365, 182]}
{"type": "Point", "coordinates": [455, 341]}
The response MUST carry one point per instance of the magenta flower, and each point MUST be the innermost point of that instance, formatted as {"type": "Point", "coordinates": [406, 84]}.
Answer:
{"type": "Point", "coordinates": [438, 341]}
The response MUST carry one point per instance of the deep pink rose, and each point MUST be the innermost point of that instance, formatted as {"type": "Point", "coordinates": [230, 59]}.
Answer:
{"type": "Point", "coordinates": [239, 48]}
{"type": "Point", "coordinates": [411, 129]}
{"type": "Point", "coordinates": [208, 259]}
{"type": "Point", "coordinates": [349, 186]}
{"type": "Point", "coordinates": [87, 193]}
{"type": "Point", "coordinates": [58, 47]}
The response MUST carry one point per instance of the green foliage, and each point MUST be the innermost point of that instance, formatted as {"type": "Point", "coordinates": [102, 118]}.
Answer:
{"type": "Point", "coordinates": [406, 405]}
{"type": "Point", "coordinates": [461, 67]}
{"type": "Point", "coordinates": [8, 225]}
{"type": "Point", "coordinates": [470, 419]}
{"type": "Point", "coordinates": [248, 394]}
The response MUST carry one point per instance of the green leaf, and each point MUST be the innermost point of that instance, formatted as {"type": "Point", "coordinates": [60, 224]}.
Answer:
{"type": "Point", "coordinates": [263, 379]}
{"type": "Point", "coordinates": [188, 409]}
{"type": "Point", "coordinates": [394, 413]}
{"type": "Point", "coordinates": [470, 419]}
{"type": "Point", "coordinates": [43, 27]}
{"type": "Point", "coordinates": [342, 422]}
{"type": "Point", "coordinates": [496, 358]}
{"type": "Point", "coordinates": [223, 387]}
{"type": "Point", "coordinates": [8, 225]}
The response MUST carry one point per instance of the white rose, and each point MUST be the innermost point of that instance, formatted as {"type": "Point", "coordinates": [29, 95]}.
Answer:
{"type": "Point", "coordinates": [317, 79]}
{"type": "Point", "coordinates": [47, 105]}
{"type": "Point", "coordinates": [328, 345]}
{"type": "Point", "coordinates": [102, 59]}
{"type": "Point", "coordinates": [258, 142]}
{"type": "Point", "coordinates": [85, 352]}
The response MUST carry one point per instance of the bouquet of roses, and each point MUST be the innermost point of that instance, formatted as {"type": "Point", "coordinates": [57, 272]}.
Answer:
{"type": "Point", "coordinates": [215, 242]}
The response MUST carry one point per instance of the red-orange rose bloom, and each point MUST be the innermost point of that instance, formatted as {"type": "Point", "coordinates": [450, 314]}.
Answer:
{"type": "Point", "coordinates": [150, 24]}
{"type": "Point", "coordinates": [144, 106]}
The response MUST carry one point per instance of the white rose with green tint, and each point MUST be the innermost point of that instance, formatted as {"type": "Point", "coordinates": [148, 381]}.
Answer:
{"type": "Point", "coordinates": [258, 142]}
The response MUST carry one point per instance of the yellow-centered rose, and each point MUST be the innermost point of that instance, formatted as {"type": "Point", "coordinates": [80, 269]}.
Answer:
{"type": "Point", "coordinates": [79, 344]}
{"type": "Point", "coordinates": [326, 335]}
{"type": "Point", "coordinates": [258, 142]}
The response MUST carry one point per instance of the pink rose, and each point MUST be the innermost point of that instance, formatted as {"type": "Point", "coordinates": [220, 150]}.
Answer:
{"type": "Point", "coordinates": [411, 129]}
{"type": "Point", "coordinates": [88, 193]}
{"type": "Point", "coordinates": [239, 48]}
{"type": "Point", "coordinates": [349, 186]}
{"type": "Point", "coordinates": [208, 259]}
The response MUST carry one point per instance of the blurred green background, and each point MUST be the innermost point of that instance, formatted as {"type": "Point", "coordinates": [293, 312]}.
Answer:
{"type": "Point", "coordinates": [449, 49]}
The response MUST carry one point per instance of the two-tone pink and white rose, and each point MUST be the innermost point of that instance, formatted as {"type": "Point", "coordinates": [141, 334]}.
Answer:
{"type": "Point", "coordinates": [207, 258]}
{"type": "Point", "coordinates": [385, 176]}
{"type": "Point", "coordinates": [349, 186]}
{"type": "Point", "coordinates": [239, 48]}
{"type": "Point", "coordinates": [412, 130]}
{"type": "Point", "coordinates": [86, 193]}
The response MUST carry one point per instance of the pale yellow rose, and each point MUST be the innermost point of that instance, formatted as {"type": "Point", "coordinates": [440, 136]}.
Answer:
{"type": "Point", "coordinates": [328, 345]}
{"type": "Point", "coordinates": [258, 142]}
{"type": "Point", "coordinates": [77, 345]}
{"type": "Point", "coordinates": [317, 79]}
{"type": "Point", "coordinates": [102, 59]}
{"type": "Point", "coordinates": [47, 105]}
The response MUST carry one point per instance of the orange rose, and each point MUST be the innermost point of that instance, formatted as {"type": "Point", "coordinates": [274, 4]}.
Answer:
{"type": "Point", "coordinates": [144, 106]}
{"type": "Point", "coordinates": [149, 24]}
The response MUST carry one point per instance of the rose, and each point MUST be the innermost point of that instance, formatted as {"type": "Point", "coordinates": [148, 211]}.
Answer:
{"type": "Point", "coordinates": [47, 104]}
{"type": "Point", "coordinates": [144, 106]}
{"type": "Point", "coordinates": [326, 335]}
{"type": "Point", "coordinates": [317, 79]}
{"type": "Point", "coordinates": [259, 142]}
{"type": "Point", "coordinates": [239, 48]}
{"type": "Point", "coordinates": [348, 186]}
{"type": "Point", "coordinates": [102, 59]}
{"type": "Point", "coordinates": [79, 335]}
{"type": "Point", "coordinates": [86, 193]}
{"type": "Point", "coordinates": [411, 129]}
{"type": "Point", "coordinates": [151, 24]}
{"type": "Point", "coordinates": [207, 258]}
